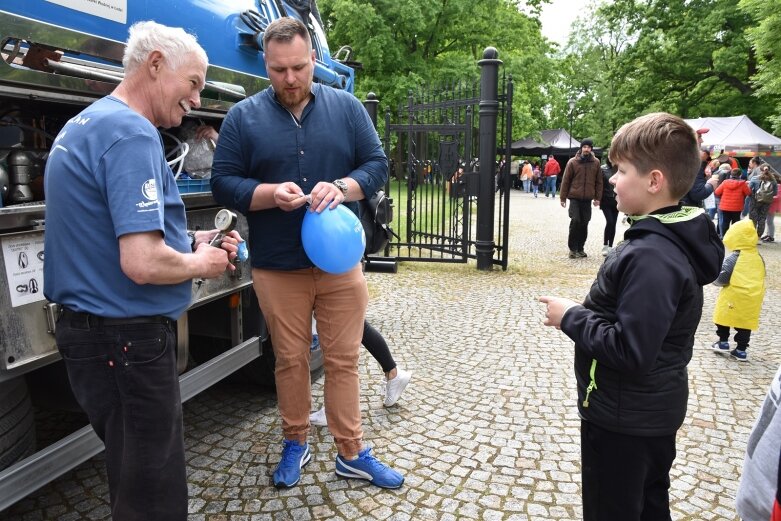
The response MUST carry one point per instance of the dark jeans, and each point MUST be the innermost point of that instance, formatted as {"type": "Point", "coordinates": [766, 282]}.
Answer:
{"type": "Point", "coordinates": [758, 214]}
{"type": "Point", "coordinates": [726, 219]}
{"type": "Point", "coordinates": [580, 215]}
{"type": "Point", "coordinates": [625, 477]}
{"type": "Point", "coordinates": [376, 345]}
{"type": "Point", "coordinates": [610, 212]}
{"type": "Point", "coordinates": [125, 379]}
{"type": "Point", "coordinates": [742, 336]}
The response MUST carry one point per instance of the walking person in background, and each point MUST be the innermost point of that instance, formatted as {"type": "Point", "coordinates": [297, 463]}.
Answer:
{"type": "Point", "coordinates": [536, 179]}
{"type": "Point", "coordinates": [582, 185]}
{"type": "Point", "coordinates": [634, 332]}
{"type": "Point", "coordinates": [120, 264]}
{"type": "Point", "coordinates": [742, 279]}
{"type": "Point", "coordinates": [732, 192]}
{"type": "Point", "coordinates": [551, 173]}
{"type": "Point", "coordinates": [526, 176]}
{"type": "Point", "coordinates": [609, 208]}
{"type": "Point", "coordinates": [774, 208]}
{"type": "Point", "coordinates": [265, 169]}
{"type": "Point", "coordinates": [763, 190]}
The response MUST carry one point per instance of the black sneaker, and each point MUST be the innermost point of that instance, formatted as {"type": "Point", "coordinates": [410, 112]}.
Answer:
{"type": "Point", "coordinates": [573, 254]}
{"type": "Point", "coordinates": [581, 254]}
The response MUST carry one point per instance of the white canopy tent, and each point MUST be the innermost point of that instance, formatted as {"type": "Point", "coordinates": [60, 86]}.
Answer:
{"type": "Point", "coordinates": [736, 136]}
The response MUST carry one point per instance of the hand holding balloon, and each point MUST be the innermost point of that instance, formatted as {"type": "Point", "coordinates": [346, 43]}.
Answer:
{"type": "Point", "coordinates": [333, 239]}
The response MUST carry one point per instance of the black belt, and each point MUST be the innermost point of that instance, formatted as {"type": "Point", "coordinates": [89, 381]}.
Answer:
{"type": "Point", "coordinates": [96, 321]}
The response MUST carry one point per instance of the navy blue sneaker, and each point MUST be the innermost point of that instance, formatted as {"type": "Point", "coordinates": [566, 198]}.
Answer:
{"type": "Point", "coordinates": [294, 457]}
{"type": "Point", "coordinates": [721, 348]}
{"type": "Point", "coordinates": [367, 467]}
{"type": "Point", "coordinates": [740, 356]}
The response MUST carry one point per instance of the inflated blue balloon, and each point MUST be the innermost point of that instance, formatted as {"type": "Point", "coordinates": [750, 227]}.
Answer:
{"type": "Point", "coordinates": [333, 239]}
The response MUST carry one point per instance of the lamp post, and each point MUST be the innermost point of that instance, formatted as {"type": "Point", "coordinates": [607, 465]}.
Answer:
{"type": "Point", "coordinates": [571, 103]}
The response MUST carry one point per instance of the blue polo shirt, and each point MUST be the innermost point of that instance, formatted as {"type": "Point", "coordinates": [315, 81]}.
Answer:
{"type": "Point", "coordinates": [261, 142]}
{"type": "Point", "coordinates": [106, 176]}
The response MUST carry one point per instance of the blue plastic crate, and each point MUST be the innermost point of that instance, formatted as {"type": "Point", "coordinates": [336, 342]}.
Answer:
{"type": "Point", "coordinates": [189, 186]}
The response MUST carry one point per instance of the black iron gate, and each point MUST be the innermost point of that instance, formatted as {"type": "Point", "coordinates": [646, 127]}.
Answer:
{"type": "Point", "coordinates": [434, 147]}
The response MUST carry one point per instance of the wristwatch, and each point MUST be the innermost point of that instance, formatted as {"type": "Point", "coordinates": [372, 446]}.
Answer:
{"type": "Point", "coordinates": [341, 185]}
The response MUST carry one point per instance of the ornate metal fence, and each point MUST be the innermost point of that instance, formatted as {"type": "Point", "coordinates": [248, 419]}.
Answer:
{"type": "Point", "coordinates": [436, 144]}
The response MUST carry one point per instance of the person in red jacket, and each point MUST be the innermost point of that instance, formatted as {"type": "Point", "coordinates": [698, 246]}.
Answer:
{"type": "Point", "coordinates": [551, 173]}
{"type": "Point", "coordinates": [733, 192]}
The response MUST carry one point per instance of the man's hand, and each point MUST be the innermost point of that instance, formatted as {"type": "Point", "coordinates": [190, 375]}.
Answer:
{"type": "Point", "coordinates": [595, 203]}
{"type": "Point", "coordinates": [207, 132]}
{"type": "Point", "coordinates": [288, 196]}
{"type": "Point", "coordinates": [555, 308]}
{"type": "Point", "coordinates": [325, 194]}
{"type": "Point", "coordinates": [213, 261]}
{"type": "Point", "coordinates": [564, 203]}
{"type": "Point", "coordinates": [713, 181]}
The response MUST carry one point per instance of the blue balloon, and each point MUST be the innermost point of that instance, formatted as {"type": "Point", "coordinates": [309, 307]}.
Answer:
{"type": "Point", "coordinates": [333, 239]}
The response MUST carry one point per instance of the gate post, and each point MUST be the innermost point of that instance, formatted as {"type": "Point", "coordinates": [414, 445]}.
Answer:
{"type": "Point", "coordinates": [489, 108]}
{"type": "Point", "coordinates": [370, 104]}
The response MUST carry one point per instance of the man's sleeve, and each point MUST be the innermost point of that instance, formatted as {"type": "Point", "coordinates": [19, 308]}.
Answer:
{"type": "Point", "coordinates": [230, 181]}
{"type": "Point", "coordinates": [565, 181]}
{"type": "Point", "coordinates": [700, 190]}
{"type": "Point", "coordinates": [599, 187]}
{"type": "Point", "coordinates": [371, 164]}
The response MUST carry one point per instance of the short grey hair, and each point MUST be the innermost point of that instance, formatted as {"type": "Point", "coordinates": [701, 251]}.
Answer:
{"type": "Point", "coordinates": [174, 43]}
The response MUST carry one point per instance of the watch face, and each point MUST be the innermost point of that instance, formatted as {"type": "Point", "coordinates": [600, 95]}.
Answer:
{"type": "Point", "coordinates": [225, 220]}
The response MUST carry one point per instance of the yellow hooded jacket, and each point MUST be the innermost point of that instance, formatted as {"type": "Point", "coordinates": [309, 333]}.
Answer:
{"type": "Point", "coordinates": [740, 301]}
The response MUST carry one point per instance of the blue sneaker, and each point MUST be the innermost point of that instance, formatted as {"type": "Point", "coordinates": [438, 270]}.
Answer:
{"type": "Point", "coordinates": [740, 356]}
{"type": "Point", "coordinates": [294, 457]}
{"type": "Point", "coordinates": [369, 468]}
{"type": "Point", "coordinates": [721, 347]}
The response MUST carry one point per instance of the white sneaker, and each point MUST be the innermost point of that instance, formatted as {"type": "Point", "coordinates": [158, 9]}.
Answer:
{"type": "Point", "coordinates": [318, 418]}
{"type": "Point", "coordinates": [605, 250]}
{"type": "Point", "coordinates": [396, 386]}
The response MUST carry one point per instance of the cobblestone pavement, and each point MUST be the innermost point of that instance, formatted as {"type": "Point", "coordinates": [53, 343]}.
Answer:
{"type": "Point", "coordinates": [488, 427]}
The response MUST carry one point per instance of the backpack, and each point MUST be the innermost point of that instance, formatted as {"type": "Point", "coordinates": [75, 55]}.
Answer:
{"type": "Point", "coordinates": [376, 215]}
{"type": "Point", "coordinates": [764, 193]}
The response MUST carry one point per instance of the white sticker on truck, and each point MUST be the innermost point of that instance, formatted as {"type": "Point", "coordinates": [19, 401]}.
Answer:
{"type": "Point", "coordinates": [23, 256]}
{"type": "Point", "coordinates": [115, 10]}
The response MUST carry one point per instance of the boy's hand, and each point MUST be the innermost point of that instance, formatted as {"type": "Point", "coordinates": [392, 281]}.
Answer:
{"type": "Point", "coordinates": [555, 309]}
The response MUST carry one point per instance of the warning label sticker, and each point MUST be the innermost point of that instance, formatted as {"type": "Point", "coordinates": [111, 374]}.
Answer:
{"type": "Point", "coordinates": [115, 10]}
{"type": "Point", "coordinates": [23, 255]}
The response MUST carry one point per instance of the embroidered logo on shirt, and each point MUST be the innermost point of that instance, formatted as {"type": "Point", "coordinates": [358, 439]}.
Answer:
{"type": "Point", "coordinates": [149, 189]}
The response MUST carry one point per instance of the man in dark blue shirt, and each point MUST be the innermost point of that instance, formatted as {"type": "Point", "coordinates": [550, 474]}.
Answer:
{"type": "Point", "coordinates": [293, 142]}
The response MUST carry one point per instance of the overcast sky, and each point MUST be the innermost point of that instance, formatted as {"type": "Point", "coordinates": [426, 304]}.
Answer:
{"type": "Point", "coordinates": [557, 17]}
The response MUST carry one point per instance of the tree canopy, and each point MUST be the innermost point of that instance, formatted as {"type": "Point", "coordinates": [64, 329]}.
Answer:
{"type": "Point", "coordinates": [624, 58]}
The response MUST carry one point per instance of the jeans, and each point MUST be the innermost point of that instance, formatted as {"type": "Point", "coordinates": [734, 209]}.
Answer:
{"type": "Point", "coordinates": [726, 219]}
{"type": "Point", "coordinates": [580, 215]}
{"type": "Point", "coordinates": [125, 379]}
{"type": "Point", "coordinates": [527, 185]}
{"type": "Point", "coordinates": [758, 214]}
{"type": "Point", "coordinates": [771, 225]}
{"type": "Point", "coordinates": [550, 185]}
{"type": "Point", "coordinates": [625, 477]}
{"type": "Point", "coordinates": [287, 299]}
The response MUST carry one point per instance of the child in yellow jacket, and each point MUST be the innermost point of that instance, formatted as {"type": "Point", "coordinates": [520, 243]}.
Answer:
{"type": "Point", "coordinates": [742, 279]}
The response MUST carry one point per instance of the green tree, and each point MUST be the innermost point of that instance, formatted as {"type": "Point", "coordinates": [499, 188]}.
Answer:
{"type": "Point", "coordinates": [404, 45]}
{"type": "Point", "coordinates": [764, 36]}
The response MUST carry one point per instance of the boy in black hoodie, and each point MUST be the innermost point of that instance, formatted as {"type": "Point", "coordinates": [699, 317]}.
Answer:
{"type": "Point", "coordinates": [635, 330]}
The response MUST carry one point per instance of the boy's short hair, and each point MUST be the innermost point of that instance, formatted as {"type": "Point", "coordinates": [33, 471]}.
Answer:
{"type": "Point", "coordinates": [736, 172]}
{"type": "Point", "coordinates": [660, 141]}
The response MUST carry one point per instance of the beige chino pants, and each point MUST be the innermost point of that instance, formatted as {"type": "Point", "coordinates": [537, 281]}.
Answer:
{"type": "Point", "coordinates": [287, 299]}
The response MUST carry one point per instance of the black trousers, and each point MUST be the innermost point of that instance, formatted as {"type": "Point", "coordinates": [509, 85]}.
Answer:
{"type": "Point", "coordinates": [376, 345]}
{"type": "Point", "coordinates": [625, 477]}
{"type": "Point", "coordinates": [742, 336]}
{"type": "Point", "coordinates": [610, 211]}
{"type": "Point", "coordinates": [125, 379]}
{"type": "Point", "coordinates": [580, 215]}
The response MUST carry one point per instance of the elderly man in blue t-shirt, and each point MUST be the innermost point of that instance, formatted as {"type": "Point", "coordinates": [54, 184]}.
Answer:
{"type": "Point", "coordinates": [292, 142]}
{"type": "Point", "coordinates": [120, 264]}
